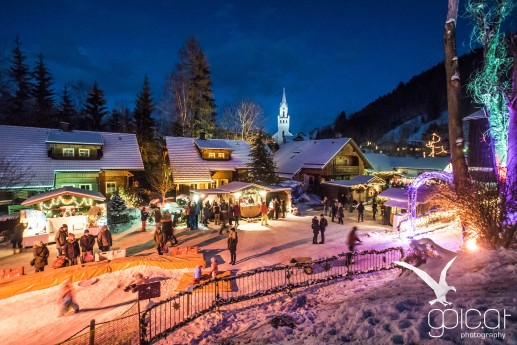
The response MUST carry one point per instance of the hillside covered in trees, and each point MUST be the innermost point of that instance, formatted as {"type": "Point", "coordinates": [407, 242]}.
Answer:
{"type": "Point", "coordinates": [424, 94]}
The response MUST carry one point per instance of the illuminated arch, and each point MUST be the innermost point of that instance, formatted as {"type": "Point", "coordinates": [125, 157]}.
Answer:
{"type": "Point", "coordinates": [413, 189]}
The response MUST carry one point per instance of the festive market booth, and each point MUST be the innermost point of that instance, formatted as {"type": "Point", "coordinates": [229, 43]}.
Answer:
{"type": "Point", "coordinates": [249, 196]}
{"type": "Point", "coordinates": [359, 188]}
{"type": "Point", "coordinates": [396, 203]}
{"type": "Point", "coordinates": [79, 209]}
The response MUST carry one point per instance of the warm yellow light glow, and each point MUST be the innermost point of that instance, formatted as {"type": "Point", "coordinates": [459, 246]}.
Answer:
{"type": "Point", "coordinates": [263, 193]}
{"type": "Point", "coordinates": [237, 195]}
{"type": "Point", "coordinates": [471, 244]}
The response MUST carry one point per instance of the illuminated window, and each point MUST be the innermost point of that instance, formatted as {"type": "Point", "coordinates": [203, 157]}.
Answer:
{"type": "Point", "coordinates": [111, 187]}
{"type": "Point", "coordinates": [193, 186]}
{"type": "Point", "coordinates": [220, 155]}
{"type": "Point", "coordinates": [211, 155]}
{"type": "Point", "coordinates": [68, 152]}
{"type": "Point", "coordinates": [223, 182]}
{"type": "Point", "coordinates": [85, 186]}
{"type": "Point", "coordinates": [84, 152]}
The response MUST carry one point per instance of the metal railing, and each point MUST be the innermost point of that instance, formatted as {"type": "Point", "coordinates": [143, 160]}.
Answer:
{"type": "Point", "coordinates": [164, 317]}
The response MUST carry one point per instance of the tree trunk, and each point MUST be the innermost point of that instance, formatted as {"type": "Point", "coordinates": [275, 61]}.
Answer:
{"type": "Point", "coordinates": [456, 141]}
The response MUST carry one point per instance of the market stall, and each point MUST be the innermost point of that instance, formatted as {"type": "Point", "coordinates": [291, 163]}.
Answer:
{"type": "Point", "coordinates": [79, 209]}
{"type": "Point", "coordinates": [249, 196]}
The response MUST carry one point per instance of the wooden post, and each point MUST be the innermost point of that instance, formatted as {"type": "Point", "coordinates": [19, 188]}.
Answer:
{"type": "Point", "coordinates": [139, 324]}
{"type": "Point", "coordinates": [92, 332]}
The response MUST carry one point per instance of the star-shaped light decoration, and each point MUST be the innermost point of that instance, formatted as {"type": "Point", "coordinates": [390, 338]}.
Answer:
{"type": "Point", "coordinates": [176, 306]}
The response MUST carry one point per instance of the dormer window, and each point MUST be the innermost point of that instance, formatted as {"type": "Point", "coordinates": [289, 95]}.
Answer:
{"type": "Point", "coordinates": [220, 155]}
{"type": "Point", "coordinates": [211, 155]}
{"type": "Point", "coordinates": [68, 152]}
{"type": "Point", "coordinates": [84, 152]}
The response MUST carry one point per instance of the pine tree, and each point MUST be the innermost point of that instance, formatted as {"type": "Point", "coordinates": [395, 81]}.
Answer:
{"type": "Point", "coordinates": [95, 108]}
{"type": "Point", "coordinates": [191, 89]}
{"type": "Point", "coordinates": [145, 125]}
{"type": "Point", "coordinates": [19, 111]}
{"type": "Point", "coordinates": [66, 108]}
{"type": "Point", "coordinates": [116, 205]}
{"type": "Point", "coordinates": [262, 168]}
{"type": "Point", "coordinates": [43, 95]}
{"type": "Point", "coordinates": [340, 123]}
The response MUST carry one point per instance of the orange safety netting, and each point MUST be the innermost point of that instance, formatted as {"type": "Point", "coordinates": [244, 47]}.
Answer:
{"type": "Point", "coordinates": [52, 277]}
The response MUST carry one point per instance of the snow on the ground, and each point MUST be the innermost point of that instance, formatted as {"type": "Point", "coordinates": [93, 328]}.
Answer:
{"type": "Point", "coordinates": [35, 314]}
{"type": "Point", "coordinates": [382, 306]}
{"type": "Point", "coordinates": [378, 308]}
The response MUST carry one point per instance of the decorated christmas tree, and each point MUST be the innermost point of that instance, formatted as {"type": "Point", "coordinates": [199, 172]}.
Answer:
{"type": "Point", "coordinates": [262, 167]}
{"type": "Point", "coordinates": [117, 205]}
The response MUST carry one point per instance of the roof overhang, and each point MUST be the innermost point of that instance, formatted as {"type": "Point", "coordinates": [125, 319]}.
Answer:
{"type": "Point", "coordinates": [65, 191]}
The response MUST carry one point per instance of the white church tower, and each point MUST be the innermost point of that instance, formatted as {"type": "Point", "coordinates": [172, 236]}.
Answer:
{"type": "Point", "coordinates": [283, 123]}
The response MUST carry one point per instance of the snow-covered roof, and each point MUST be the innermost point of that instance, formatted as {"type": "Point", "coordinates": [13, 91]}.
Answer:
{"type": "Point", "coordinates": [420, 163]}
{"type": "Point", "coordinates": [313, 154]}
{"type": "Point", "coordinates": [65, 191]}
{"type": "Point", "coordinates": [74, 137]}
{"type": "Point", "coordinates": [27, 147]}
{"type": "Point", "coordinates": [379, 161]}
{"type": "Point", "coordinates": [188, 166]}
{"type": "Point", "coordinates": [236, 186]}
{"type": "Point", "coordinates": [479, 114]}
{"type": "Point", "coordinates": [212, 144]}
{"type": "Point", "coordinates": [356, 181]}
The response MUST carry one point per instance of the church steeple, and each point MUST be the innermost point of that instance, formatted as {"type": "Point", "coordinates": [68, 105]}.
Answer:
{"type": "Point", "coordinates": [283, 122]}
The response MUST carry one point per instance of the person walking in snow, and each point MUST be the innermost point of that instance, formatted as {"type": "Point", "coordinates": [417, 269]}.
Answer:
{"type": "Point", "coordinates": [232, 245]}
{"type": "Point", "coordinates": [157, 217]}
{"type": "Point", "coordinates": [18, 237]}
{"type": "Point", "coordinates": [334, 210]}
{"type": "Point", "coordinates": [283, 207]}
{"type": "Point", "coordinates": [71, 250]}
{"type": "Point", "coordinates": [206, 214]}
{"type": "Point", "coordinates": [40, 253]}
{"type": "Point", "coordinates": [143, 216]}
{"type": "Point", "coordinates": [217, 213]}
{"type": "Point", "coordinates": [67, 298]}
{"type": "Point", "coordinates": [353, 239]}
{"type": "Point", "coordinates": [374, 209]}
{"type": "Point", "coordinates": [159, 240]}
{"type": "Point", "coordinates": [264, 211]}
{"type": "Point", "coordinates": [360, 212]}
{"type": "Point", "coordinates": [236, 213]}
{"type": "Point", "coordinates": [197, 275]}
{"type": "Point", "coordinates": [340, 213]}
{"type": "Point", "coordinates": [315, 229]}
{"type": "Point", "coordinates": [325, 206]}
{"type": "Point", "coordinates": [323, 226]}
{"type": "Point", "coordinates": [214, 268]}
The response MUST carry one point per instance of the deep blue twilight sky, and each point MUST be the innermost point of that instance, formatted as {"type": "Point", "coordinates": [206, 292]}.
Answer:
{"type": "Point", "coordinates": [329, 55]}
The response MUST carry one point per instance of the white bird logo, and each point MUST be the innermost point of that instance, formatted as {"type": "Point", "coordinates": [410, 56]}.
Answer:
{"type": "Point", "coordinates": [440, 289]}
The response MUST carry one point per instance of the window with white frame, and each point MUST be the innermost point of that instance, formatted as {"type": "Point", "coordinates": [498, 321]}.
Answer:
{"type": "Point", "coordinates": [211, 154]}
{"type": "Point", "coordinates": [220, 155]}
{"type": "Point", "coordinates": [67, 185]}
{"type": "Point", "coordinates": [68, 152]}
{"type": "Point", "coordinates": [87, 186]}
{"type": "Point", "coordinates": [111, 187]}
{"type": "Point", "coordinates": [84, 152]}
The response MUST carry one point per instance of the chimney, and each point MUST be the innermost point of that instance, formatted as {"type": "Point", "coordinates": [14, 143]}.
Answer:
{"type": "Point", "coordinates": [65, 126]}
{"type": "Point", "coordinates": [202, 135]}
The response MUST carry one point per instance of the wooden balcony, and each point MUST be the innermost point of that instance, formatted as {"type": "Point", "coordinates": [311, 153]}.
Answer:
{"type": "Point", "coordinates": [345, 169]}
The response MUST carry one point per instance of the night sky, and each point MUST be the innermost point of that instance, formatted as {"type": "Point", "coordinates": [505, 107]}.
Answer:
{"type": "Point", "coordinates": [329, 55]}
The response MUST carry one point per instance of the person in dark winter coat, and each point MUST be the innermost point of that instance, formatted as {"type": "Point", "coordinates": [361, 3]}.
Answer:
{"type": "Point", "coordinates": [206, 215]}
{"type": "Point", "coordinates": [61, 237]}
{"type": "Point", "coordinates": [353, 239]}
{"type": "Point", "coordinates": [216, 209]}
{"type": "Point", "coordinates": [230, 215]}
{"type": "Point", "coordinates": [159, 240]}
{"type": "Point", "coordinates": [232, 245]}
{"type": "Point", "coordinates": [104, 239]}
{"type": "Point", "coordinates": [276, 206]}
{"type": "Point", "coordinates": [168, 228]}
{"type": "Point", "coordinates": [374, 209]}
{"type": "Point", "coordinates": [143, 216]}
{"type": "Point", "coordinates": [71, 250]}
{"type": "Point", "coordinates": [334, 210]}
{"type": "Point", "coordinates": [283, 207]}
{"type": "Point", "coordinates": [157, 217]}
{"type": "Point", "coordinates": [360, 212]}
{"type": "Point", "coordinates": [340, 214]}
{"type": "Point", "coordinates": [40, 253]}
{"type": "Point", "coordinates": [86, 242]}
{"type": "Point", "coordinates": [323, 227]}
{"type": "Point", "coordinates": [18, 237]}
{"type": "Point", "coordinates": [236, 213]}
{"type": "Point", "coordinates": [315, 229]}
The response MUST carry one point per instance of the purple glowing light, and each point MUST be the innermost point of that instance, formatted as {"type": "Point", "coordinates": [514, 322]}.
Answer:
{"type": "Point", "coordinates": [417, 183]}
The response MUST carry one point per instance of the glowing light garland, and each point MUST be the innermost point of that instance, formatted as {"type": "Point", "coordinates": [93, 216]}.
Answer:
{"type": "Point", "coordinates": [413, 189]}
{"type": "Point", "coordinates": [66, 202]}
{"type": "Point", "coordinates": [491, 84]}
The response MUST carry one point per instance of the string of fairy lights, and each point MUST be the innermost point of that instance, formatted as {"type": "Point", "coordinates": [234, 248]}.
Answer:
{"type": "Point", "coordinates": [60, 201]}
